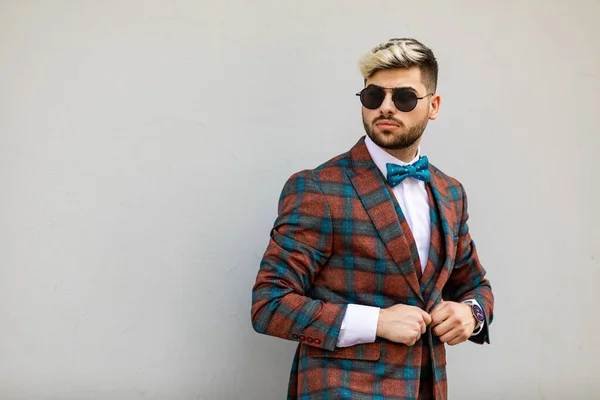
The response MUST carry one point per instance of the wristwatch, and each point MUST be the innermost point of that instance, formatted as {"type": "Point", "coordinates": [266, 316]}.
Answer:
{"type": "Point", "coordinates": [478, 314]}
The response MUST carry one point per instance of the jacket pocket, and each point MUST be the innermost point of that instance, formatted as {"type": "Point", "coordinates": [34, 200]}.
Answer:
{"type": "Point", "coordinates": [367, 352]}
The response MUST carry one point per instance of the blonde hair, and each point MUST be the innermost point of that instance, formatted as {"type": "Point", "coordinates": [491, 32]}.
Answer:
{"type": "Point", "coordinates": [401, 53]}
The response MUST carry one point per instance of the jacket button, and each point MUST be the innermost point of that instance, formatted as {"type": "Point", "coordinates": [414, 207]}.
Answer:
{"type": "Point", "coordinates": [295, 336]}
{"type": "Point", "coordinates": [302, 337]}
{"type": "Point", "coordinates": [317, 341]}
{"type": "Point", "coordinates": [310, 340]}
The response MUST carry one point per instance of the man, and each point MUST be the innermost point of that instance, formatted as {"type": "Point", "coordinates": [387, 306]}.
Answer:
{"type": "Point", "coordinates": [370, 265]}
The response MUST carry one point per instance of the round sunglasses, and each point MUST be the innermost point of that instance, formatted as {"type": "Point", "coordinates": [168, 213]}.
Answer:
{"type": "Point", "coordinates": [404, 99]}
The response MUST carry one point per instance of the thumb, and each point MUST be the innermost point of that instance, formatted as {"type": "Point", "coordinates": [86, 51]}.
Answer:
{"type": "Point", "coordinates": [426, 318]}
{"type": "Point", "coordinates": [440, 306]}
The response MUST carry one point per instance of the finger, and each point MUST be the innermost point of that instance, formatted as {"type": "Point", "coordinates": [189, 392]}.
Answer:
{"type": "Point", "coordinates": [411, 340]}
{"type": "Point", "coordinates": [457, 340]}
{"type": "Point", "coordinates": [423, 327]}
{"type": "Point", "coordinates": [426, 318]}
{"type": "Point", "coordinates": [441, 305]}
{"type": "Point", "coordinates": [450, 336]}
{"type": "Point", "coordinates": [443, 328]}
{"type": "Point", "coordinates": [440, 315]}
{"type": "Point", "coordinates": [417, 337]}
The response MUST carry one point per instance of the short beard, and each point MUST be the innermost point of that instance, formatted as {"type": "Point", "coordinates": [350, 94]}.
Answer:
{"type": "Point", "coordinates": [399, 141]}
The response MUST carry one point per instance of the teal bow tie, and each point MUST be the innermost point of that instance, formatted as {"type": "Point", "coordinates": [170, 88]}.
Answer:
{"type": "Point", "coordinates": [419, 170]}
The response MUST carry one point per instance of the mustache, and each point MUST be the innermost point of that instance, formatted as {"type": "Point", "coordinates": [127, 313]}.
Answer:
{"type": "Point", "coordinates": [382, 118]}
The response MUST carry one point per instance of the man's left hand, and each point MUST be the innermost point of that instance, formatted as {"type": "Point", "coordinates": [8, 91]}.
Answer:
{"type": "Point", "coordinates": [452, 322]}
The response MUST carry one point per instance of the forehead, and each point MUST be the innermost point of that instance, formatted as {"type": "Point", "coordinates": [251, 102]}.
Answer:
{"type": "Point", "coordinates": [399, 77]}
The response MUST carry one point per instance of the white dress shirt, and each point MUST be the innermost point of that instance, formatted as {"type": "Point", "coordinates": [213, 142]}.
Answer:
{"type": "Point", "coordinates": [360, 322]}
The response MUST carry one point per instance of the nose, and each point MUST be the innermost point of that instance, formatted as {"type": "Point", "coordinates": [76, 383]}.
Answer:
{"type": "Point", "coordinates": [387, 107]}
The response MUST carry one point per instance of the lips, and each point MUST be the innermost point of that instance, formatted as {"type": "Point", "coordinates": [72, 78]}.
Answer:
{"type": "Point", "coordinates": [386, 124]}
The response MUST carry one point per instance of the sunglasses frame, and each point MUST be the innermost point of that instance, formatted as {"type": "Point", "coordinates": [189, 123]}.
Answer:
{"type": "Point", "coordinates": [394, 90]}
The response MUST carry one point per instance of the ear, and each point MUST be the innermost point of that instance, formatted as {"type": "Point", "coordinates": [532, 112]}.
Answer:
{"type": "Point", "coordinates": [434, 110]}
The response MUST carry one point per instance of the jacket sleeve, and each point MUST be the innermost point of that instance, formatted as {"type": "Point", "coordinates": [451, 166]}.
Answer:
{"type": "Point", "coordinates": [300, 245]}
{"type": "Point", "coordinates": [467, 280]}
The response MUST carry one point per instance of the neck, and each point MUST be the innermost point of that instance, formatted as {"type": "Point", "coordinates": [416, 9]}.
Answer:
{"type": "Point", "coordinates": [407, 154]}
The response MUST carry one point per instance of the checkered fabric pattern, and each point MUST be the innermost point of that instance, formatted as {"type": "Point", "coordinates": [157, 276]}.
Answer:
{"type": "Point", "coordinates": [340, 237]}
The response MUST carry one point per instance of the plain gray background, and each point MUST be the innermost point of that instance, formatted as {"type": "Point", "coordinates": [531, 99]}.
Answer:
{"type": "Point", "coordinates": [144, 144]}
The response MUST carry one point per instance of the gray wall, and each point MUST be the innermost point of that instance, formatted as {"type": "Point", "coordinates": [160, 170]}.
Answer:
{"type": "Point", "coordinates": [144, 144]}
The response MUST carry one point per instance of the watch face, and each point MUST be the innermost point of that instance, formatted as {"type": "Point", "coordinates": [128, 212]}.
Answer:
{"type": "Point", "coordinates": [478, 312]}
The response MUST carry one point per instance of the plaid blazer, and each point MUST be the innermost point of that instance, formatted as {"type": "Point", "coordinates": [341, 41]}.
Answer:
{"type": "Point", "coordinates": [340, 238]}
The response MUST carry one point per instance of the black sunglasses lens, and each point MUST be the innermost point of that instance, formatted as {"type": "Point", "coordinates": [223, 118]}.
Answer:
{"type": "Point", "coordinates": [405, 100]}
{"type": "Point", "coordinates": [371, 97]}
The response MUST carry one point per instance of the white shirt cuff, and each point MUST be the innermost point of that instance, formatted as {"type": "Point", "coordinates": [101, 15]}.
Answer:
{"type": "Point", "coordinates": [358, 326]}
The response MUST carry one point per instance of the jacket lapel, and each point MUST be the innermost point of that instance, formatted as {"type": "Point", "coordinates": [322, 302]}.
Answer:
{"type": "Point", "coordinates": [377, 200]}
{"type": "Point", "coordinates": [436, 245]}
{"type": "Point", "coordinates": [448, 222]}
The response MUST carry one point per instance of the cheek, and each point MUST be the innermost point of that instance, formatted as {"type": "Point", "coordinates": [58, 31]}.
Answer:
{"type": "Point", "coordinates": [425, 112]}
{"type": "Point", "coordinates": [416, 117]}
{"type": "Point", "coordinates": [368, 115]}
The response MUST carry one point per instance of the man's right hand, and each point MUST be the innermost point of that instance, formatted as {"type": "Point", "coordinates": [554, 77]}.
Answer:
{"type": "Point", "coordinates": [402, 324]}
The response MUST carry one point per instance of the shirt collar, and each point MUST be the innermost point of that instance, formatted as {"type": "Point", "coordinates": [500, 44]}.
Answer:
{"type": "Point", "coordinates": [382, 157]}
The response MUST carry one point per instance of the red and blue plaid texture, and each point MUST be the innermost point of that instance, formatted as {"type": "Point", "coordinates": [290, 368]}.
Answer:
{"type": "Point", "coordinates": [340, 238]}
